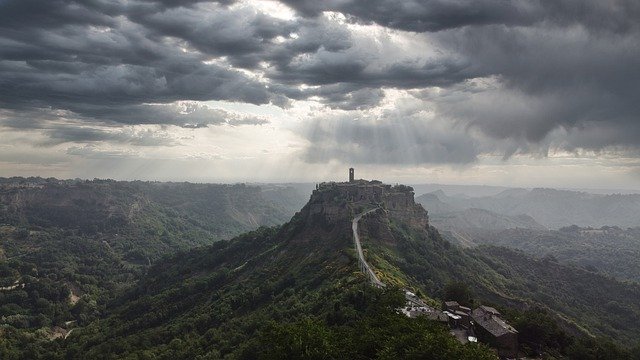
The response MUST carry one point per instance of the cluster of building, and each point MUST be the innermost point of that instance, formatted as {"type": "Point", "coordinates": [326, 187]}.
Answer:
{"type": "Point", "coordinates": [397, 201]}
{"type": "Point", "coordinates": [483, 324]}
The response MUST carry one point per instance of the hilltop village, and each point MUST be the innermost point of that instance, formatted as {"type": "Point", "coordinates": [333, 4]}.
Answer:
{"type": "Point", "coordinates": [331, 199]}
{"type": "Point", "coordinates": [362, 197]}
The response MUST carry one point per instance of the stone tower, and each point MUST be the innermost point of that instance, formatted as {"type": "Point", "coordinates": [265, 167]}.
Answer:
{"type": "Point", "coordinates": [351, 175]}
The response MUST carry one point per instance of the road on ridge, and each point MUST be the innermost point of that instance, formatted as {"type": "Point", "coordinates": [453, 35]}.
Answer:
{"type": "Point", "coordinates": [356, 238]}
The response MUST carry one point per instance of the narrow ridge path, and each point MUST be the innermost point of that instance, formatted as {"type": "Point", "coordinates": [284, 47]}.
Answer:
{"type": "Point", "coordinates": [363, 263]}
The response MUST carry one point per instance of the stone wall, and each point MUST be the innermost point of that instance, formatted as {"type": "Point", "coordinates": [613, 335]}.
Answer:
{"type": "Point", "coordinates": [335, 200]}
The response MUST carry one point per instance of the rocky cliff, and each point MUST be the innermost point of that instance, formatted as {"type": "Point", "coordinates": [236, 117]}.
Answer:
{"type": "Point", "coordinates": [334, 202]}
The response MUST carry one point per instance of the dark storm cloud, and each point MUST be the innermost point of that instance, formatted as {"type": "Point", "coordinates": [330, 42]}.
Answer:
{"type": "Point", "coordinates": [87, 58]}
{"type": "Point", "coordinates": [182, 3]}
{"type": "Point", "coordinates": [548, 80]}
{"type": "Point", "coordinates": [349, 97]}
{"type": "Point", "coordinates": [436, 15]}
{"type": "Point", "coordinates": [243, 34]}
{"type": "Point", "coordinates": [560, 65]}
{"type": "Point", "coordinates": [420, 16]}
{"type": "Point", "coordinates": [21, 14]}
{"type": "Point", "coordinates": [327, 69]}
{"type": "Point", "coordinates": [565, 72]}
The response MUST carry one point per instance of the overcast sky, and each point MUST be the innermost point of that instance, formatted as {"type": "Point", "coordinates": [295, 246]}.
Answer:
{"type": "Point", "coordinates": [516, 93]}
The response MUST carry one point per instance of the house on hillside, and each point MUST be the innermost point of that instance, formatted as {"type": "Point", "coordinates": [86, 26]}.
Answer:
{"type": "Point", "coordinates": [425, 311]}
{"type": "Point", "coordinates": [460, 315]}
{"type": "Point", "coordinates": [493, 330]}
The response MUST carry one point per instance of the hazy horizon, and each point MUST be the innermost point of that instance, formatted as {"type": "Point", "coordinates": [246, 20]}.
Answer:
{"type": "Point", "coordinates": [451, 189]}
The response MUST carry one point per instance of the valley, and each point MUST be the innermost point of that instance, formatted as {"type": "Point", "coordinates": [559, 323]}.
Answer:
{"type": "Point", "coordinates": [310, 278]}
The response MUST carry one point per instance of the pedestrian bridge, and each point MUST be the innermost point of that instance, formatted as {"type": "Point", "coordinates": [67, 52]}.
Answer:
{"type": "Point", "coordinates": [364, 266]}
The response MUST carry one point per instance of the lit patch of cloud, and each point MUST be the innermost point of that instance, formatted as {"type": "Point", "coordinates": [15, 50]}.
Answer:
{"type": "Point", "coordinates": [407, 134]}
{"type": "Point", "coordinates": [95, 152]}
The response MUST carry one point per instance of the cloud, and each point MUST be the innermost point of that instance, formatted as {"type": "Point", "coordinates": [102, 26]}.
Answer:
{"type": "Point", "coordinates": [559, 68]}
{"type": "Point", "coordinates": [437, 15]}
{"type": "Point", "coordinates": [521, 76]}
{"type": "Point", "coordinates": [84, 59]}
{"type": "Point", "coordinates": [544, 81]}
{"type": "Point", "coordinates": [94, 152]}
{"type": "Point", "coordinates": [67, 134]}
{"type": "Point", "coordinates": [404, 135]}
{"type": "Point", "coordinates": [128, 125]}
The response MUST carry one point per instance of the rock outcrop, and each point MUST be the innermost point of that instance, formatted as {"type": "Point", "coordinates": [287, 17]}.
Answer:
{"type": "Point", "coordinates": [335, 202]}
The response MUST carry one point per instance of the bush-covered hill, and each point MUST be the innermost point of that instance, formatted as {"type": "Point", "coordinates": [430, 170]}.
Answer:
{"type": "Point", "coordinates": [608, 250]}
{"type": "Point", "coordinates": [105, 206]}
{"type": "Point", "coordinates": [289, 292]}
{"type": "Point", "coordinates": [66, 247]}
{"type": "Point", "coordinates": [595, 303]}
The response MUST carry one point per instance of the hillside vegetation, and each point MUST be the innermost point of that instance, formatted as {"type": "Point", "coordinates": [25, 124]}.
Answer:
{"type": "Point", "coordinates": [67, 247]}
{"type": "Point", "coordinates": [608, 250]}
{"type": "Point", "coordinates": [594, 303]}
{"type": "Point", "coordinates": [288, 292]}
{"type": "Point", "coordinates": [295, 291]}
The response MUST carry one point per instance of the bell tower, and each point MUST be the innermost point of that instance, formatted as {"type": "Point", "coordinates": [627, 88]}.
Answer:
{"type": "Point", "coordinates": [351, 175]}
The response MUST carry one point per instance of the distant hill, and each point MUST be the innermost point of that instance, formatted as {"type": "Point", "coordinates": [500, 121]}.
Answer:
{"type": "Point", "coordinates": [466, 226]}
{"type": "Point", "coordinates": [459, 190]}
{"type": "Point", "coordinates": [554, 208]}
{"type": "Point", "coordinates": [608, 250]}
{"type": "Point", "coordinates": [462, 225]}
{"type": "Point", "coordinates": [434, 205]}
{"type": "Point", "coordinates": [105, 206]}
{"type": "Point", "coordinates": [483, 219]}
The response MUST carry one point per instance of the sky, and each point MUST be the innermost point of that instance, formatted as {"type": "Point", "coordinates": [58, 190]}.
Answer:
{"type": "Point", "coordinates": [499, 92]}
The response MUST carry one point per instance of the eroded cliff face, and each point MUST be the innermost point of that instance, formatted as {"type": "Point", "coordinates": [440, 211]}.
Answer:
{"type": "Point", "coordinates": [337, 202]}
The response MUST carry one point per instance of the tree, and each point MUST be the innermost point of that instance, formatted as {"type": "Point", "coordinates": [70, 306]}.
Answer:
{"type": "Point", "coordinates": [460, 292]}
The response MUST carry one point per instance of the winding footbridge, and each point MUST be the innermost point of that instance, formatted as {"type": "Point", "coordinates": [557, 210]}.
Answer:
{"type": "Point", "coordinates": [373, 278]}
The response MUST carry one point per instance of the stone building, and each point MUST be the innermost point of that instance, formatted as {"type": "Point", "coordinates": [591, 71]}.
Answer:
{"type": "Point", "coordinates": [493, 330]}
{"type": "Point", "coordinates": [459, 315]}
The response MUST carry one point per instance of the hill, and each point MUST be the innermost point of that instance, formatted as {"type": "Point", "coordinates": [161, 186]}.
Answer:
{"type": "Point", "coordinates": [295, 291]}
{"type": "Point", "coordinates": [66, 247]}
{"type": "Point", "coordinates": [225, 300]}
{"type": "Point", "coordinates": [483, 219]}
{"type": "Point", "coordinates": [466, 226]}
{"type": "Point", "coordinates": [505, 277]}
{"type": "Point", "coordinates": [555, 208]}
{"type": "Point", "coordinates": [608, 250]}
